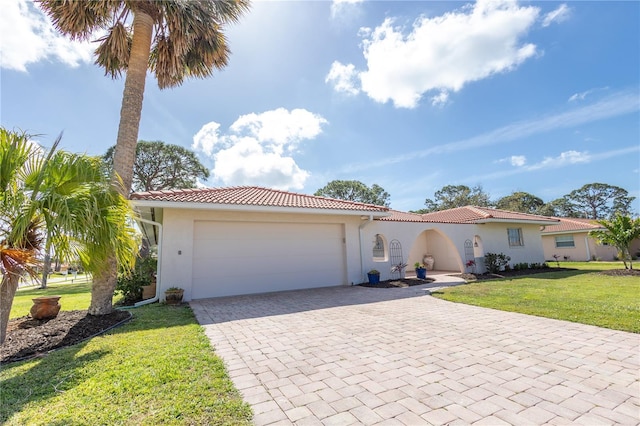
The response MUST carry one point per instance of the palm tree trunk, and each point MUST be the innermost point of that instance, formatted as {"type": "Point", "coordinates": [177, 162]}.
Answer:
{"type": "Point", "coordinates": [104, 281]}
{"type": "Point", "coordinates": [7, 292]}
{"type": "Point", "coordinates": [131, 110]}
{"type": "Point", "coordinates": [103, 287]}
{"type": "Point", "coordinates": [46, 267]}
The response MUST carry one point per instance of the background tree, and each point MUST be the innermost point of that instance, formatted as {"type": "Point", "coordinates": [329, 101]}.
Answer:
{"type": "Point", "coordinates": [600, 201]}
{"type": "Point", "coordinates": [353, 190]}
{"type": "Point", "coordinates": [174, 39]}
{"type": "Point", "coordinates": [560, 207]}
{"type": "Point", "coordinates": [521, 202]}
{"type": "Point", "coordinates": [452, 196]}
{"type": "Point", "coordinates": [65, 199]}
{"type": "Point", "coordinates": [159, 165]}
{"type": "Point", "coordinates": [620, 232]}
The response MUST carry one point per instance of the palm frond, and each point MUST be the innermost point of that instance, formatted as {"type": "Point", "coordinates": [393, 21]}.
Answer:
{"type": "Point", "coordinates": [80, 18]}
{"type": "Point", "coordinates": [113, 52]}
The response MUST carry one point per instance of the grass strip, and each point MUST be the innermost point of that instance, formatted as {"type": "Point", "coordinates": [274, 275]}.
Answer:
{"type": "Point", "coordinates": [579, 296]}
{"type": "Point", "coordinates": [157, 369]}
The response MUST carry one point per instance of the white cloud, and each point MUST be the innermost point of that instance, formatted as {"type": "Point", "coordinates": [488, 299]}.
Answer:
{"type": "Point", "coordinates": [343, 77]}
{"type": "Point", "coordinates": [618, 104]}
{"type": "Point", "coordinates": [339, 7]}
{"type": "Point", "coordinates": [28, 37]}
{"type": "Point", "coordinates": [444, 53]}
{"type": "Point", "coordinates": [583, 95]}
{"type": "Point", "coordinates": [440, 99]}
{"type": "Point", "coordinates": [514, 160]}
{"type": "Point", "coordinates": [558, 15]}
{"type": "Point", "coordinates": [518, 160]}
{"type": "Point", "coordinates": [257, 148]}
{"type": "Point", "coordinates": [564, 159]}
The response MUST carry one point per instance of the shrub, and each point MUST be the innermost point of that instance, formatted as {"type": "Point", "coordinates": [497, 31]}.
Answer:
{"type": "Point", "coordinates": [130, 285]}
{"type": "Point", "coordinates": [495, 262]}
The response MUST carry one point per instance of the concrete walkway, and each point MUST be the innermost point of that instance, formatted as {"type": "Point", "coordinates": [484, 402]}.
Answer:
{"type": "Point", "coordinates": [353, 355]}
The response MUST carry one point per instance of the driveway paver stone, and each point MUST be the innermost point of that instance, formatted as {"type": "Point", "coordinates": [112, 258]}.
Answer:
{"type": "Point", "coordinates": [355, 355]}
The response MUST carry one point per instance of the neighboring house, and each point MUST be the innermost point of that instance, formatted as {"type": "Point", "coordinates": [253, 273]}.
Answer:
{"type": "Point", "coordinates": [241, 240]}
{"type": "Point", "coordinates": [570, 240]}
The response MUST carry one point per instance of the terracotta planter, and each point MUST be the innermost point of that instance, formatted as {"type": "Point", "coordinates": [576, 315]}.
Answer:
{"type": "Point", "coordinates": [173, 297]}
{"type": "Point", "coordinates": [45, 307]}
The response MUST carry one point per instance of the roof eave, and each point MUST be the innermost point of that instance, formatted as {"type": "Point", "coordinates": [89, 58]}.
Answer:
{"type": "Point", "coordinates": [522, 221]}
{"type": "Point", "coordinates": [255, 209]}
{"type": "Point", "coordinates": [571, 231]}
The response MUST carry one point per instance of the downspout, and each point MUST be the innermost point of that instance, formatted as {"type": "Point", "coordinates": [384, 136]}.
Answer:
{"type": "Point", "coordinates": [360, 228]}
{"type": "Point", "coordinates": [159, 268]}
{"type": "Point", "coordinates": [586, 243]}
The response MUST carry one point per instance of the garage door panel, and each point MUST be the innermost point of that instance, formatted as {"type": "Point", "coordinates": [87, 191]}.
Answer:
{"type": "Point", "coordinates": [241, 258]}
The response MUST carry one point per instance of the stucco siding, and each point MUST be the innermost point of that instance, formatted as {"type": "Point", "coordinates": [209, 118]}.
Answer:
{"type": "Point", "coordinates": [585, 249]}
{"type": "Point", "coordinates": [179, 239]}
{"type": "Point", "coordinates": [495, 240]}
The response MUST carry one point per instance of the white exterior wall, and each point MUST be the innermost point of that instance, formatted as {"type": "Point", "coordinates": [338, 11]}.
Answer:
{"type": "Point", "coordinates": [178, 236]}
{"type": "Point", "coordinates": [445, 242]}
{"type": "Point", "coordinates": [495, 240]}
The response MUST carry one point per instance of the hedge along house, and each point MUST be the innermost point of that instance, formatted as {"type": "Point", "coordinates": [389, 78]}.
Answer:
{"type": "Point", "coordinates": [241, 240]}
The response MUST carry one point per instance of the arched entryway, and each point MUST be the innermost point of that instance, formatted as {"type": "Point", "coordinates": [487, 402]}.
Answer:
{"type": "Point", "coordinates": [437, 245]}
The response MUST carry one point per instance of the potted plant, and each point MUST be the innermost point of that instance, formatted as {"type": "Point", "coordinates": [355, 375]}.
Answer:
{"type": "Point", "coordinates": [173, 295]}
{"type": "Point", "coordinates": [471, 264]}
{"type": "Point", "coordinates": [421, 270]}
{"type": "Point", "coordinates": [374, 276]}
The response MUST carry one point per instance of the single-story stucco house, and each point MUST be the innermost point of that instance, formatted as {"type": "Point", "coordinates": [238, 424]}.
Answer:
{"type": "Point", "coordinates": [240, 240]}
{"type": "Point", "coordinates": [569, 240]}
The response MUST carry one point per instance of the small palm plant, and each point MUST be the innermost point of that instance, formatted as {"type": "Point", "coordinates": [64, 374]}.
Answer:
{"type": "Point", "coordinates": [67, 200]}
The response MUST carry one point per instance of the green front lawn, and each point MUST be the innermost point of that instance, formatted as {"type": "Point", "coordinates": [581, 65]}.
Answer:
{"type": "Point", "coordinates": [157, 369]}
{"type": "Point", "coordinates": [583, 295]}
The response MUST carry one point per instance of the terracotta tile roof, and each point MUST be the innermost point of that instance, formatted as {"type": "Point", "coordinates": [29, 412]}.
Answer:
{"type": "Point", "coordinates": [398, 216]}
{"type": "Point", "coordinates": [569, 224]}
{"type": "Point", "coordinates": [469, 214]}
{"type": "Point", "coordinates": [253, 196]}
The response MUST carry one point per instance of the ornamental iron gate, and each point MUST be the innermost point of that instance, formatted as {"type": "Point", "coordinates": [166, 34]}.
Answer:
{"type": "Point", "coordinates": [396, 259]}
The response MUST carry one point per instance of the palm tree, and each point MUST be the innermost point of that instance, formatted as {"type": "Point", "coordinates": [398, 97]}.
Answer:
{"type": "Point", "coordinates": [620, 232]}
{"type": "Point", "coordinates": [66, 199]}
{"type": "Point", "coordinates": [174, 39]}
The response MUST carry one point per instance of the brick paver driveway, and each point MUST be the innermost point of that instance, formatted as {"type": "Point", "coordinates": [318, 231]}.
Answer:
{"type": "Point", "coordinates": [352, 355]}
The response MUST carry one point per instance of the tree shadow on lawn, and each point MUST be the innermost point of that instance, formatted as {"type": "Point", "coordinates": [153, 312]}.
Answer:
{"type": "Point", "coordinates": [47, 375]}
{"type": "Point", "coordinates": [42, 378]}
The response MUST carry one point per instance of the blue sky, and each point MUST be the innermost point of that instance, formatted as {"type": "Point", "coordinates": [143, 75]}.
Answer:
{"type": "Point", "coordinates": [541, 97]}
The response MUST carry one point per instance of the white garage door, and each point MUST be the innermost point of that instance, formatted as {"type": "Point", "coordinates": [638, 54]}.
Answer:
{"type": "Point", "coordinates": [231, 258]}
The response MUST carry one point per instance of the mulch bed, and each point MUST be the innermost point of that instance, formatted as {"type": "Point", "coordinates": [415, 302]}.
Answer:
{"type": "Point", "coordinates": [399, 283]}
{"type": "Point", "coordinates": [28, 337]}
{"type": "Point", "coordinates": [509, 274]}
{"type": "Point", "coordinates": [523, 272]}
{"type": "Point", "coordinates": [622, 272]}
